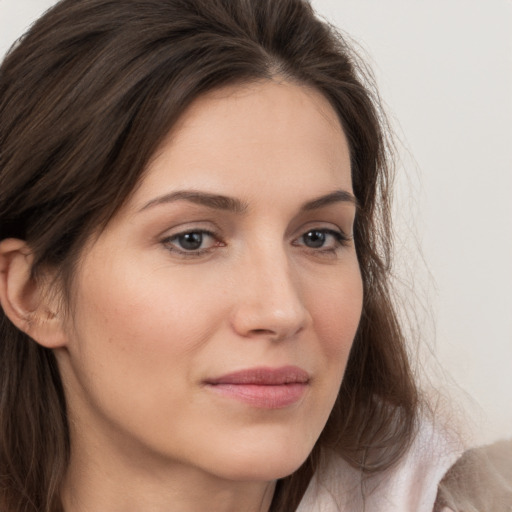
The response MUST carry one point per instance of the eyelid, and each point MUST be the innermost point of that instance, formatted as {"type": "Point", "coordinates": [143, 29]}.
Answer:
{"type": "Point", "coordinates": [329, 226]}
{"type": "Point", "coordinates": [340, 237]}
{"type": "Point", "coordinates": [336, 233]}
{"type": "Point", "coordinates": [183, 253]}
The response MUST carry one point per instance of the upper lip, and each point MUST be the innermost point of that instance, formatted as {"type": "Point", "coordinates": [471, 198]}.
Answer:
{"type": "Point", "coordinates": [264, 376]}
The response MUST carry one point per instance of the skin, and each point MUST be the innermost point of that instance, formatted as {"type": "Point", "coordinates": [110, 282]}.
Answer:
{"type": "Point", "coordinates": [151, 321]}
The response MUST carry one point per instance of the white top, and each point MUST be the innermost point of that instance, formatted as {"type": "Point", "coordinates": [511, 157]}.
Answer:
{"type": "Point", "coordinates": [410, 486]}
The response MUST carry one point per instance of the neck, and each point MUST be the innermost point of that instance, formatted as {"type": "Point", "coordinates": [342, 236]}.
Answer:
{"type": "Point", "coordinates": [107, 485]}
{"type": "Point", "coordinates": [110, 473]}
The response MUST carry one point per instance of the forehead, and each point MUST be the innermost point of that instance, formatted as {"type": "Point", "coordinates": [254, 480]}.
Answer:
{"type": "Point", "coordinates": [241, 137]}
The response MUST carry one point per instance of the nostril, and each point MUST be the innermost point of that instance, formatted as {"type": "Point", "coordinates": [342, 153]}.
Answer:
{"type": "Point", "coordinates": [274, 334]}
{"type": "Point", "coordinates": [262, 331]}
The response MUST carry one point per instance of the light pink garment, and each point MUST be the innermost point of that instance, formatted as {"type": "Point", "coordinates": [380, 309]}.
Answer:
{"type": "Point", "coordinates": [410, 486]}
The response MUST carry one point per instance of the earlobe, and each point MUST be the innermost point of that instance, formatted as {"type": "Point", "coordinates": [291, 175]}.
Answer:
{"type": "Point", "coordinates": [25, 301]}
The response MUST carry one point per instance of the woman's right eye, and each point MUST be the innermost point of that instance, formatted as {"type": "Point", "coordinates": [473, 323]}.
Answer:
{"type": "Point", "coordinates": [192, 243]}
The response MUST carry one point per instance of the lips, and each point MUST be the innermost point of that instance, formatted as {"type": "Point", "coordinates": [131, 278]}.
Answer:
{"type": "Point", "coordinates": [268, 388]}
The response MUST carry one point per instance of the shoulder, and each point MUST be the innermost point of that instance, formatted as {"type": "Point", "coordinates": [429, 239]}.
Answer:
{"type": "Point", "coordinates": [480, 480]}
{"type": "Point", "coordinates": [409, 485]}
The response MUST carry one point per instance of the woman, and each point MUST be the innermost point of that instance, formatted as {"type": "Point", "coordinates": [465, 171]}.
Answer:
{"type": "Point", "coordinates": [195, 249]}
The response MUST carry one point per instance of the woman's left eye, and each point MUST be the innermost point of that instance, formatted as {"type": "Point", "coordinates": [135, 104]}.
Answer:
{"type": "Point", "coordinates": [322, 239]}
{"type": "Point", "coordinates": [191, 243]}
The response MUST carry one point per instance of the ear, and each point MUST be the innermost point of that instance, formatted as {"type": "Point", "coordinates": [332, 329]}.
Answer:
{"type": "Point", "coordinates": [28, 302]}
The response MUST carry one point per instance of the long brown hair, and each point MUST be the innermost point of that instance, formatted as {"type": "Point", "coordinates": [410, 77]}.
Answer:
{"type": "Point", "coordinates": [86, 96]}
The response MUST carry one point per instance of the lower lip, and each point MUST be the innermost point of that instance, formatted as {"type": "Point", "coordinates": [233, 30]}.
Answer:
{"type": "Point", "coordinates": [262, 396]}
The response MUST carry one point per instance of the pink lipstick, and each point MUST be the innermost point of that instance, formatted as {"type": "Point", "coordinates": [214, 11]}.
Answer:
{"type": "Point", "coordinates": [266, 388]}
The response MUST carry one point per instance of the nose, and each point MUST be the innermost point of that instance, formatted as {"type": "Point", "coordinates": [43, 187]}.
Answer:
{"type": "Point", "coordinates": [269, 299]}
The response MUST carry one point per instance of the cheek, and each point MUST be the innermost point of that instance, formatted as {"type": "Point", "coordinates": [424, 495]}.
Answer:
{"type": "Point", "coordinates": [137, 310]}
{"type": "Point", "coordinates": [135, 342]}
{"type": "Point", "coordinates": [336, 313]}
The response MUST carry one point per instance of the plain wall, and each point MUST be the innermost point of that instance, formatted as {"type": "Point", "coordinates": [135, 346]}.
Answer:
{"type": "Point", "coordinates": [444, 70]}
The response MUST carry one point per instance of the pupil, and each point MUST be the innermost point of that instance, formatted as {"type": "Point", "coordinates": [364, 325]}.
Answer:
{"type": "Point", "coordinates": [191, 241]}
{"type": "Point", "coordinates": [314, 239]}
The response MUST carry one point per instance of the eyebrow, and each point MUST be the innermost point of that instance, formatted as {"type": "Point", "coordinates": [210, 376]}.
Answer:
{"type": "Point", "coordinates": [221, 202]}
{"type": "Point", "coordinates": [338, 196]}
{"type": "Point", "coordinates": [215, 201]}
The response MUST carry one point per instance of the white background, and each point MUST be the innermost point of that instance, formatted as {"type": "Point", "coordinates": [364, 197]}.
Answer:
{"type": "Point", "coordinates": [444, 69]}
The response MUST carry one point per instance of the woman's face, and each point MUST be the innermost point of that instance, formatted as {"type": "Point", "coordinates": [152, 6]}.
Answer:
{"type": "Point", "coordinates": [213, 317]}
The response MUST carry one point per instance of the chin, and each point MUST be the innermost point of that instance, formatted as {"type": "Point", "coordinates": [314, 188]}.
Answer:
{"type": "Point", "coordinates": [263, 464]}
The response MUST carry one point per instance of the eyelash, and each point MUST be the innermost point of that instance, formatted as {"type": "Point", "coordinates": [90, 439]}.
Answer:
{"type": "Point", "coordinates": [340, 238]}
{"type": "Point", "coordinates": [191, 253]}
